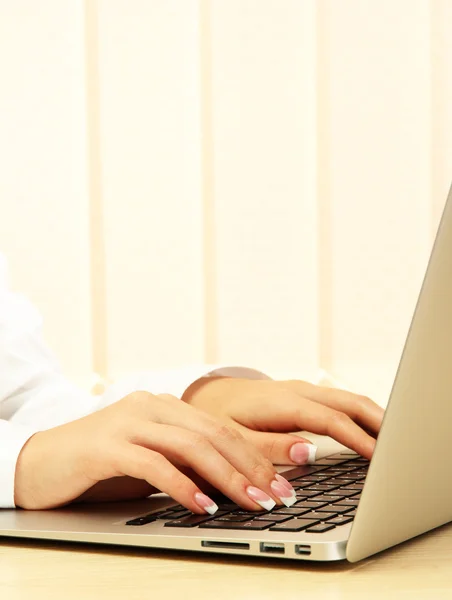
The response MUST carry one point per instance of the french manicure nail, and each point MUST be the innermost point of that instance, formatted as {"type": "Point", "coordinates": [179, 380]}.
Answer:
{"type": "Point", "coordinates": [286, 483]}
{"type": "Point", "coordinates": [286, 496]}
{"type": "Point", "coordinates": [260, 497]}
{"type": "Point", "coordinates": [206, 503]}
{"type": "Point", "coordinates": [303, 454]}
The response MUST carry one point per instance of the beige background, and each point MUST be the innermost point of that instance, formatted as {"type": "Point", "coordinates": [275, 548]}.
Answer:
{"type": "Point", "coordinates": [236, 181]}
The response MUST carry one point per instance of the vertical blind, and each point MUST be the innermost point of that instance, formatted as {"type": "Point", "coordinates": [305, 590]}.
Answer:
{"type": "Point", "coordinates": [224, 181]}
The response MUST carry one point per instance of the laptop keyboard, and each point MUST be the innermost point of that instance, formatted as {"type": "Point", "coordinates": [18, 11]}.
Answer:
{"type": "Point", "coordinates": [327, 493]}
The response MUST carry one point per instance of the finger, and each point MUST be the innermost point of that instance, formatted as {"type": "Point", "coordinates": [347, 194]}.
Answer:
{"type": "Point", "coordinates": [196, 451]}
{"type": "Point", "coordinates": [361, 409]}
{"type": "Point", "coordinates": [228, 442]}
{"type": "Point", "coordinates": [281, 448]}
{"type": "Point", "coordinates": [294, 412]}
{"type": "Point", "coordinates": [326, 421]}
{"type": "Point", "coordinates": [143, 463]}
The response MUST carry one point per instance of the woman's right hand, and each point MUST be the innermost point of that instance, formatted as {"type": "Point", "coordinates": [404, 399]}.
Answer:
{"type": "Point", "coordinates": [147, 440]}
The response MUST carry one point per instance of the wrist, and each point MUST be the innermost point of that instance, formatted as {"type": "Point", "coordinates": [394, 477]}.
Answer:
{"type": "Point", "coordinates": [48, 466]}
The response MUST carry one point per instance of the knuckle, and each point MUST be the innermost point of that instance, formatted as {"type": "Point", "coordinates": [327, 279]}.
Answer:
{"type": "Point", "coordinates": [338, 418]}
{"type": "Point", "coordinates": [196, 442]}
{"type": "Point", "coordinates": [153, 461]}
{"type": "Point", "coordinates": [134, 400]}
{"type": "Point", "coordinates": [228, 434]}
{"type": "Point", "coordinates": [270, 449]}
{"type": "Point", "coordinates": [235, 480]}
{"type": "Point", "coordinates": [364, 401]}
{"type": "Point", "coordinates": [360, 406]}
{"type": "Point", "coordinates": [261, 469]}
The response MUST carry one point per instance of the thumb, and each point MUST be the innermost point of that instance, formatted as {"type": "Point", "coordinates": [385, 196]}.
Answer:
{"type": "Point", "coordinates": [282, 448]}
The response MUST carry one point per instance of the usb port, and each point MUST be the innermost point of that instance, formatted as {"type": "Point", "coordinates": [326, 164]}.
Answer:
{"type": "Point", "coordinates": [269, 548]}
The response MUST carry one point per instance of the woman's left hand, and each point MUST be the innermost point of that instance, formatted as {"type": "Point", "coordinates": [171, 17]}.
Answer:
{"type": "Point", "coordinates": [266, 412]}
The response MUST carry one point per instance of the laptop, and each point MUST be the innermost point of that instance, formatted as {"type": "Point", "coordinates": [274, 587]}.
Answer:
{"type": "Point", "coordinates": [346, 508]}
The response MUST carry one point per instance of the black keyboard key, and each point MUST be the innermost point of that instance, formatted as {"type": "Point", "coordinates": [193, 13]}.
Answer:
{"type": "Point", "coordinates": [321, 528]}
{"type": "Point", "coordinates": [341, 520]}
{"type": "Point", "coordinates": [330, 474]}
{"type": "Point", "coordinates": [315, 478]}
{"type": "Point", "coordinates": [258, 524]}
{"type": "Point", "coordinates": [338, 482]}
{"type": "Point", "coordinates": [324, 487]}
{"type": "Point", "coordinates": [255, 525]}
{"type": "Point", "coordinates": [350, 477]}
{"type": "Point", "coordinates": [139, 521]}
{"type": "Point", "coordinates": [296, 473]}
{"type": "Point", "coordinates": [337, 508]}
{"type": "Point", "coordinates": [330, 499]}
{"type": "Point", "coordinates": [175, 514]}
{"type": "Point", "coordinates": [312, 504]}
{"type": "Point", "coordinates": [335, 492]}
{"type": "Point", "coordinates": [307, 493]}
{"type": "Point", "coordinates": [349, 502]}
{"type": "Point", "coordinates": [301, 485]}
{"type": "Point", "coordinates": [150, 518]}
{"type": "Point", "coordinates": [340, 466]}
{"type": "Point", "coordinates": [348, 493]}
{"type": "Point", "coordinates": [300, 472]}
{"type": "Point", "coordinates": [276, 518]}
{"type": "Point", "coordinates": [295, 525]}
{"type": "Point", "coordinates": [295, 511]}
{"type": "Point", "coordinates": [358, 485]}
{"type": "Point", "coordinates": [234, 518]}
{"type": "Point", "coordinates": [192, 521]}
{"type": "Point", "coordinates": [227, 506]}
{"type": "Point", "coordinates": [319, 516]}
{"type": "Point", "coordinates": [255, 513]}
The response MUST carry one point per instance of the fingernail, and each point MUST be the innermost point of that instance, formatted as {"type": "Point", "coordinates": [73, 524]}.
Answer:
{"type": "Point", "coordinates": [206, 503]}
{"type": "Point", "coordinates": [303, 454]}
{"type": "Point", "coordinates": [286, 483]}
{"type": "Point", "coordinates": [286, 496]}
{"type": "Point", "coordinates": [260, 497]}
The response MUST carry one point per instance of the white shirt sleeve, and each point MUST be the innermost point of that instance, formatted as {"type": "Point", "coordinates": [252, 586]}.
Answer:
{"type": "Point", "coordinates": [34, 395]}
{"type": "Point", "coordinates": [173, 382]}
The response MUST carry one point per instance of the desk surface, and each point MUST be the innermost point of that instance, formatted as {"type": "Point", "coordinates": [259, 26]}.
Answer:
{"type": "Point", "coordinates": [419, 569]}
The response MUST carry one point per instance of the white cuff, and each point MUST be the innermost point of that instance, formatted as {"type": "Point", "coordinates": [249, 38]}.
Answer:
{"type": "Point", "coordinates": [171, 382]}
{"type": "Point", "coordinates": [13, 439]}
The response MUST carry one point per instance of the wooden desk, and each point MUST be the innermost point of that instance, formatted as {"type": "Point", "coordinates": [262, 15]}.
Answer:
{"type": "Point", "coordinates": [418, 570]}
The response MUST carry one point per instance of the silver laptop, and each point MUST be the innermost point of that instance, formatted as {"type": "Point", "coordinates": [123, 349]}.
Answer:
{"type": "Point", "coordinates": [346, 507]}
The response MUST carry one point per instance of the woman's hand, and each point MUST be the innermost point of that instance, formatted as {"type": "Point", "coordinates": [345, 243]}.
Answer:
{"type": "Point", "coordinates": [256, 408]}
{"type": "Point", "coordinates": [140, 445]}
